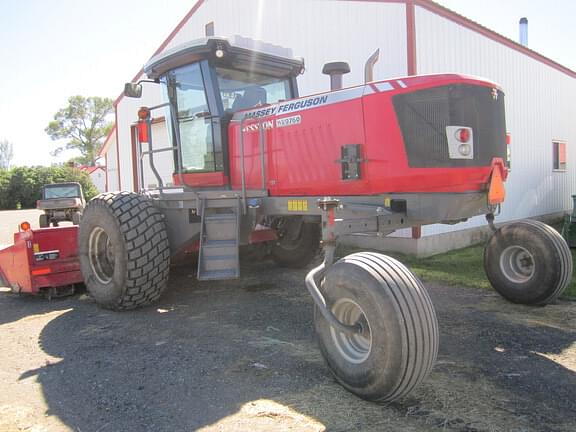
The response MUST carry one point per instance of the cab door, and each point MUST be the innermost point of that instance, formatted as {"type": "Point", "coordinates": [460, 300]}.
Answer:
{"type": "Point", "coordinates": [196, 127]}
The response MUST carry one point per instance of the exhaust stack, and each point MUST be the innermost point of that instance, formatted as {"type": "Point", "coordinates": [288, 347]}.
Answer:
{"type": "Point", "coordinates": [524, 31]}
{"type": "Point", "coordinates": [369, 66]}
{"type": "Point", "coordinates": [336, 70]}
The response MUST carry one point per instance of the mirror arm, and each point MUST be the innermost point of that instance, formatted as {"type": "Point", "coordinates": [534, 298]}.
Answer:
{"type": "Point", "coordinates": [156, 81]}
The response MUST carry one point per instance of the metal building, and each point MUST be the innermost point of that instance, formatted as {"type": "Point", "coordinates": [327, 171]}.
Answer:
{"type": "Point", "coordinates": [414, 37]}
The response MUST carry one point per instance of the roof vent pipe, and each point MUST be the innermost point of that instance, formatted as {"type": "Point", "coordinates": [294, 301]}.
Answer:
{"type": "Point", "coordinates": [336, 70]}
{"type": "Point", "coordinates": [369, 66]}
{"type": "Point", "coordinates": [524, 31]}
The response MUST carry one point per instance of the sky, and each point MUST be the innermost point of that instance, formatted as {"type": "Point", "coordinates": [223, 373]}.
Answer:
{"type": "Point", "coordinates": [51, 50]}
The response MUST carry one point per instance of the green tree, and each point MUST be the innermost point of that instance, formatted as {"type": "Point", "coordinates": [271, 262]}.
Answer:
{"type": "Point", "coordinates": [6, 154]}
{"type": "Point", "coordinates": [23, 185]}
{"type": "Point", "coordinates": [84, 124]}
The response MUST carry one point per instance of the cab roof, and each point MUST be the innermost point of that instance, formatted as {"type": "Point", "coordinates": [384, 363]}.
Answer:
{"type": "Point", "coordinates": [236, 52]}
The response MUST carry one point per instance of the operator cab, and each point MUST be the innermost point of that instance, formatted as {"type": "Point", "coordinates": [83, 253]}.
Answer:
{"type": "Point", "coordinates": [205, 82]}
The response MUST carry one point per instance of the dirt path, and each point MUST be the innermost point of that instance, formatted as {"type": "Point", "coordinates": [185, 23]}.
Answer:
{"type": "Point", "coordinates": [241, 355]}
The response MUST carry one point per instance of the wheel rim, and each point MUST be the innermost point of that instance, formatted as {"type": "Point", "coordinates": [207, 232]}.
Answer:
{"type": "Point", "coordinates": [517, 264]}
{"type": "Point", "coordinates": [355, 348]}
{"type": "Point", "coordinates": [101, 255]}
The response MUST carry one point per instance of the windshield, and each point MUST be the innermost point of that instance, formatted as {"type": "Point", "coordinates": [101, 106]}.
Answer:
{"type": "Point", "coordinates": [242, 90]}
{"type": "Point", "coordinates": [69, 191]}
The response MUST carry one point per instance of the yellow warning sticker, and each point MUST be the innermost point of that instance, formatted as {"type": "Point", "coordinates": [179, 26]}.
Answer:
{"type": "Point", "coordinates": [36, 247]}
{"type": "Point", "coordinates": [387, 202]}
{"type": "Point", "coordinates": [298, 205]}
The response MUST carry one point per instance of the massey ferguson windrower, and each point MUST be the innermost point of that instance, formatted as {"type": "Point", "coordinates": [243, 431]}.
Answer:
{"type": "Point", "coordinates": [254, 163]}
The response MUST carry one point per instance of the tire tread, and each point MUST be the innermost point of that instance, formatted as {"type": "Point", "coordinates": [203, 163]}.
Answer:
{"type": "Point", "coordinates": [143, 229]}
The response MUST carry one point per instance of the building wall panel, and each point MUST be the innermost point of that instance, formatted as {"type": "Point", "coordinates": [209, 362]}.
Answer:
{"type": "Point", "coordinates": [317, 30]}
{"type": "Point", "coordinates": [539, 106]}
{"type": "Point", "coordinates": [112, 165]}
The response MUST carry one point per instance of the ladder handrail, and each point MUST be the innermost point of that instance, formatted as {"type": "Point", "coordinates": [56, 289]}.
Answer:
{"type": "Point", "coordinates": [262, 147]}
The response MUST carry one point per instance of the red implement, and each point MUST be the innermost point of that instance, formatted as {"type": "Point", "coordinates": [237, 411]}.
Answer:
{"type": "Point", "coordinates": [41, 259]}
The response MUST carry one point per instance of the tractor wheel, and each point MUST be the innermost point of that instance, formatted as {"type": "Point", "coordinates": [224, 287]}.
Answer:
{"type": "Point", "coordinates": [296, 249]}
{"type": "Point", "coordinates": [124, 251]}
{"type": "Point", "coordinates": [399, 341]}
{"type": "Point", "coordinates": [528, 262]}
{"type": "Point", "coordinates": [76, 218]}
{"type": "Point", "coordinates": [44, 222]}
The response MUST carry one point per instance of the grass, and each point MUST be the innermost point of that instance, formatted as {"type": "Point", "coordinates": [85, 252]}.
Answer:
{"type": "Point", "coordinates": [458, 267]}
{"type": "Point", "coordinates": [462, 267]}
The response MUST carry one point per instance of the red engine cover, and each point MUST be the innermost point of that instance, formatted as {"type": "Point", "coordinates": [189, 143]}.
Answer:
{"type": "Point", "coordinates": [303, 140]}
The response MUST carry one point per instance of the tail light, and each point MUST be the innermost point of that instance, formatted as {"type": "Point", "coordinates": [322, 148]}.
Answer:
{"type": "Point", "coordinates": [460, 142]}
{"type": "Point", "coordinates": [463, 135]}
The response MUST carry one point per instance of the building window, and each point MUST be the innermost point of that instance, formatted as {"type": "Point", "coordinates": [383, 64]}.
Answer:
{"type": "Point", "coordinates": [559, 155]}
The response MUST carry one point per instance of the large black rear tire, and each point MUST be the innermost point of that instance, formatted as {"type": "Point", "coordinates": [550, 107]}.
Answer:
{"type": "Point", "coordinates": [296, 249]}
{"type": "Point", "coordinates": [399, 343]}
{"type": "Point", "coordinates": [528, 262]}
{"type": "Point", "coordinates": [124, 250]}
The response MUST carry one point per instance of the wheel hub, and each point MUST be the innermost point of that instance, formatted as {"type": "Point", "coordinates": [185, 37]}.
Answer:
{"type": "Point", "coordinates": [355, 347]}
{"type": "Point", "coordinates": [101, 255]}
{"type": "Point", "coordinates": [517, 264]}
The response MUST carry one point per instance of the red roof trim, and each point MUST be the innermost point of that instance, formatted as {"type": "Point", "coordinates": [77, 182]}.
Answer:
{"type": "Point", "coordinates": [164, 44]}
{"type": "Point", "coordinates": [104, 148]}
{"type": "Point", "coordinates": [491, 34]}
{"type": "Point", "coordinates": [90, 169]}
{"type": "Point", "coordinates": [479, 28]}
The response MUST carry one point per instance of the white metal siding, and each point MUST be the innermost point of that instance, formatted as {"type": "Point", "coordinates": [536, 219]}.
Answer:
{"type": "Point", "coordinates": [127, 115]}
{"type": "Point", "coordinates": [112, 165]}
{"type": "Point", "coordinates": [98, 177]}
{"type": "Point", "coordinates": [164, 161]}
{"type": "Point", "coordinates": [317, 30]}
{"type": "Point", "coordinates": [540, 107]}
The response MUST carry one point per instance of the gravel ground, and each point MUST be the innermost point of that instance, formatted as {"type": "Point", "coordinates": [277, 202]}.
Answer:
{"type": "Point", "coordinates": [241, 356]}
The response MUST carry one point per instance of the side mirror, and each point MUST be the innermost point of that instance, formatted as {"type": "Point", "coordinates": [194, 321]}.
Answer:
{"type": "Point", "coordinates": [133, 90]}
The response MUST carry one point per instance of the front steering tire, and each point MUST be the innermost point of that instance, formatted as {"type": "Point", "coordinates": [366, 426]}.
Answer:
{"type": "Point", "coordinates": [398, 344]}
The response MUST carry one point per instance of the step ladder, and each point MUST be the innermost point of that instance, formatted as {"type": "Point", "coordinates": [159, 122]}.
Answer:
{"type": "Point", "coordinates": [219, 239]}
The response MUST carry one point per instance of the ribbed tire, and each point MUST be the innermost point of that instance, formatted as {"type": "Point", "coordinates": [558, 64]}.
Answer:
{"type": "Point", "coordinates": [124, 250]}
{"type": "Point", "coordinates": [528, 262]}
{"type": "Point", "coordinates": [399, 345]}
{"type": "Point", "coordinates": [300, 252]}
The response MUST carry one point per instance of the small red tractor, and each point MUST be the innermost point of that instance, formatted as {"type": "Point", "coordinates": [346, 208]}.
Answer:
{"type": "Point", "coordinates": [254, 163]}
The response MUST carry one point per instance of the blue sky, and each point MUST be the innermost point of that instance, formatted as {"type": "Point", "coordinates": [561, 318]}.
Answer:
{"type": "Point", "coordinates": [51, 50]}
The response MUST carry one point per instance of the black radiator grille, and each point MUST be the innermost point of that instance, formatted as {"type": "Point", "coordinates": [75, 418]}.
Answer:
{"type": "Point", "coordinates": [423, 116]}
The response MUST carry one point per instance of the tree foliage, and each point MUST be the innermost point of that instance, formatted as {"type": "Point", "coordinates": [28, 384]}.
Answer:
{"type": "Point", "coordinates": [22, 186]}
{"type": "Point", "coordinates": [84, 124]}
{"type": "Point", "coordinates": [6, 154]}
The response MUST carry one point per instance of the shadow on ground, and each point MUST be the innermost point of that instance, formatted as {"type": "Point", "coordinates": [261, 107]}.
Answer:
{"type": "Point", "coordinates": [241, 355]}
